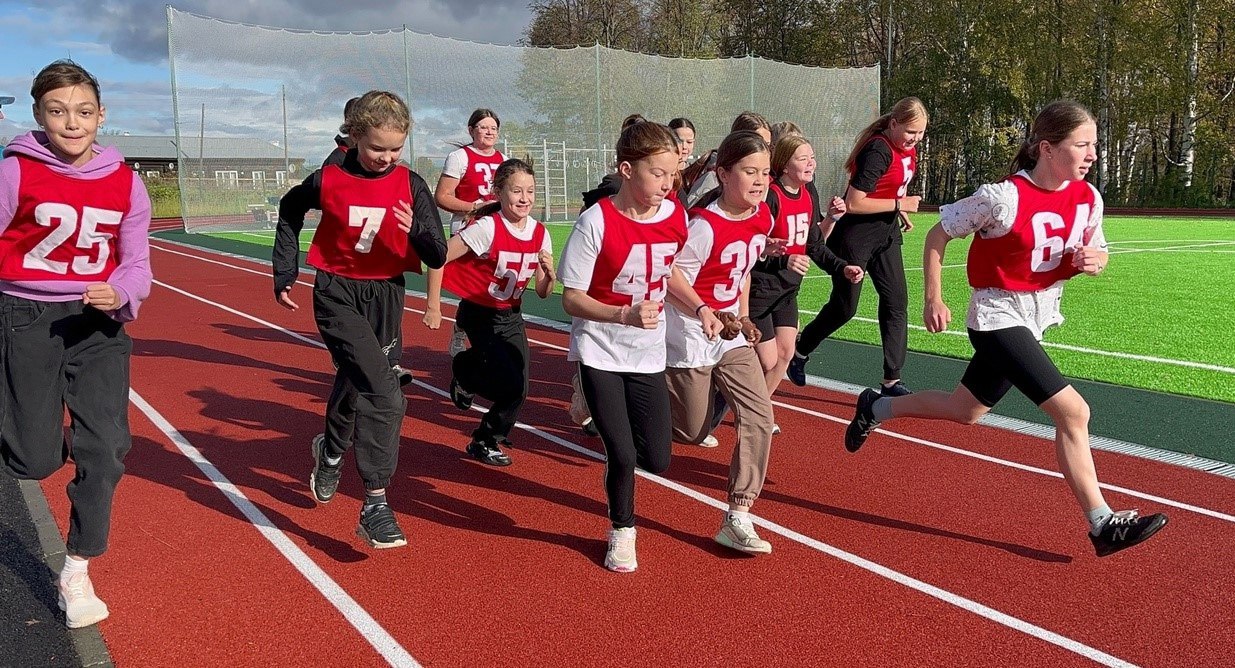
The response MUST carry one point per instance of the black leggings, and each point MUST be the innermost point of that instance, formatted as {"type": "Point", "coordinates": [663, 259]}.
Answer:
{"type": "Point", "coordinates": [1007, 358]}
{"type": "Point", "coordinates": [631, 412]}
{"type": "Point", "coordinates": [876, 247]}
{"type": "Point", "coordinates": [495, 367]}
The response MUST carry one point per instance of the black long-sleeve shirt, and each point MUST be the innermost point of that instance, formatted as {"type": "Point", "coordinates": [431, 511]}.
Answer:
{"type": "Point", "coordinates": [426, 236]}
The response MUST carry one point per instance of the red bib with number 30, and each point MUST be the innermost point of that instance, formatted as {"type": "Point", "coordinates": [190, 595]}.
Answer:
{"type": "Point", "coordinates": [794, 217]}
{"type": "Point", "coordinates": [736, 245]}
{"type": "Point", "coordinates": [1036, 253]}
{"type": "Point", "coordinates": [359, 236]}
{"type": "Point", "coordinates": [64, 228]}
{"type": "Point", "coordinates": [498, 279]}
{"type": "Point", "coordinates": [636, 258]}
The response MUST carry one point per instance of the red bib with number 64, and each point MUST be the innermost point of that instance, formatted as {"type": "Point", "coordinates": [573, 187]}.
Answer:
{"type": "Point", "coordinates": [1036, 253]}
{"type": "Point", "coordinates": [64, 228]}
{"type": "Point", "coordinates": [359, 236]}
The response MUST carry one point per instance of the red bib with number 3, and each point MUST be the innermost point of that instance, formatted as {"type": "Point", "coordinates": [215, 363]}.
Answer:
{"type": "Point", "coordinates": [498, 279]}
{"type": "Point", "coordinates": [635, 258]}
{"type": "Point", "coordinates": [794, 217]}
{"type": "Point", "coordinates": [1037, 252]}
{"type": "Point", "coordinates": [736, 245]}
{"type": "Point", "coordinates": [64, 228]}
{"type": "Point", "coordinates": [476, 182]}
{"type": "Point", "coordinates": [359, 236]}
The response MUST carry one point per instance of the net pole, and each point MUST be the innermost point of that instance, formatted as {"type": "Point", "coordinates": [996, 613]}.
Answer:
{"type": "Point", "coordinates": [544, 148]}
{"type": "Point", "coordinates": [407, 83]}
{"type": "Point", "coordinates": [171, 61]}
{"type": "Point", "coordinates": [598, 130]}
{"type": "Point", "coordinates": [751, 60]}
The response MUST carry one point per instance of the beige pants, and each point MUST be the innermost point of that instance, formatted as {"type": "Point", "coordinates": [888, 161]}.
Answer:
{"type": "Point", "coordinates": [739, 377]}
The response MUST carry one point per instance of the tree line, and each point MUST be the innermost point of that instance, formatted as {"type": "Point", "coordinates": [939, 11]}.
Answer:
{"type": "Point", "coordinates": [1157, 74]}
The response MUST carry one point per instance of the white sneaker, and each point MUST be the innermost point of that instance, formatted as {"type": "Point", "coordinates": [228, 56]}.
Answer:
{"type": "Point", "coordinates": [81, 607]}
{"type": "Point", "coordinates": [458, 342]}
{"type": "Point", "coordinates": [709, 441]}
{"type": "Point", "coordinates": [775, 429]}
{"type": "Point", "coordinates": [741, 536]}
{"type": "Point", "coordinates": [621, 554]}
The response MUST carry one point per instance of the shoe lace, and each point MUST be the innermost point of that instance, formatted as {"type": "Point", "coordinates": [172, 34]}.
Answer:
{"type": "Point", "coordinates": [1123, 517]}
{"type": "Point", "coordinates": [76, 587]}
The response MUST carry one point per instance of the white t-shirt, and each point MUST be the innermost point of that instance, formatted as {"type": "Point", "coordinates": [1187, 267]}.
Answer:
{"type": "Point", "coordinates": [686, 346]}
{"type": "Point", "coordinates": [605, 345]}
{"type": "Point", "coordinates": [991, 213]}
{"type": "Point", "coordinates": [479, 235]}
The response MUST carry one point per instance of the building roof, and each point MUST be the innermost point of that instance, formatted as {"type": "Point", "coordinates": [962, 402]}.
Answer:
{"type": "Point", "coordinates": [156, 147]}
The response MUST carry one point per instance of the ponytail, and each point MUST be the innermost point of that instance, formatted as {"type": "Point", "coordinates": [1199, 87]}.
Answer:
{"type": "Point", "coordinates": [1053, 124]}
{"type": "Point", "coordinates": [906, 110]}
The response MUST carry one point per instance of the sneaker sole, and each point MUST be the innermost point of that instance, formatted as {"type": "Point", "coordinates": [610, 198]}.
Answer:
{"type": "Point", "coordinates": [1149, 533]}
{"type": "Point", "coordinates": [724, 540]}
{"type": "Point", "coordinates": [377, 545]}
{"type": "Point", "coordinates": [621, 568]}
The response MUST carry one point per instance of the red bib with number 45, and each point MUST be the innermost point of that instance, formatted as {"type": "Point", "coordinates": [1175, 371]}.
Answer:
{"type": "Point", "coordinates": [498, 279]}
{"type": "Point", "coordinates": [359, 236]}
{"type": "Point", "coordinates": [64, 228]}
{"type": "Point", "coordinates": [1037, 252]}
{"type": "Point", "coordinates": [635, 258]}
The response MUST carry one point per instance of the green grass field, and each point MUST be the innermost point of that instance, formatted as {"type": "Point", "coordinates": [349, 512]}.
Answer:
{"type": "Point", "coordinates": [1161, 317]}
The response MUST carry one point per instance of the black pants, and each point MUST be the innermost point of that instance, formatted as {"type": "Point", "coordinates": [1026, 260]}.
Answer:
{"type": "Point", "coordinates": [876, 247]}
{"type": "Point", "coordinates": [496, 367]}
{"type": "Point", "coordinates": [360, 322]}
{"type": "Point", "coordinates": [57, 355]}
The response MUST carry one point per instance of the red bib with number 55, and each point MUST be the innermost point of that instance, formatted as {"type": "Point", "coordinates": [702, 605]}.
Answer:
{"type": "Point", "coordinates": [1036, 253]}
{"type": "Point", "coordinates": [359, 236]}
{"type": "Point", "coordinates": [498, 279]}
{"type": "Point", "coordinates": [64, 228]}
{"type": "Point", "coordinates": [636, 258]}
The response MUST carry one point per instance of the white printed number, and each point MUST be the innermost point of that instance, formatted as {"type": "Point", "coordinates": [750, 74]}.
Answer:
{"type": "Point", "coordinates": [743, 257]}
{"type": "Point", "coordinates": [63, 219]}
{"type": "Point", "coordinates": [1048, 248]}
{"type": "Point", "coordinates": [908, 172]}
{"type": "Point", "coordinates": [799, 228]}
{"type": "Point", "coordinates": [644, 272]}
{"type": "Point", "coordinates": [513, 270]}
{"type": "Point", "coordinates": [368, 219]}
{"type": "Point", "coordinates": [486, 173]}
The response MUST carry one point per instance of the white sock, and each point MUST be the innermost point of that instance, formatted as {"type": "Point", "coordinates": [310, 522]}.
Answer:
{"type": "Point", "coordinates": [73, 567]}
{"type": "Point", "coordinates": [742, 516]}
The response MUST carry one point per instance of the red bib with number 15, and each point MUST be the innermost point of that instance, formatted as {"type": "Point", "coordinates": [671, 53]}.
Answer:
{"type": "Point", "coordinates": [359, 236]}
{"type": "Point", "coordinates": [1035, 253]}
{"type": "Point", "coordinates": [64, 228]}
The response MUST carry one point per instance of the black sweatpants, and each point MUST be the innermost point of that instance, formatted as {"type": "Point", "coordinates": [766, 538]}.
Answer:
{"type": "Point", "coordinates": [875, 246]}
{"type": "Point", "coordinates": [360, 321]}
{"type": "Point", "coordinates": [631, 412]}
{"type": "Point", "coordinates": [57, 355]}
{"type": "Point", "coordinates": [496, 367]}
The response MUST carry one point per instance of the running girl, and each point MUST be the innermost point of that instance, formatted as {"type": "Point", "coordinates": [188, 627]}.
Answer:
{"type": "Point", "coordinates": [489, 264]}
{"type": "Point", "coordinates": [74, 267]}
{"type": "Point", "coordinates": [378, 221]}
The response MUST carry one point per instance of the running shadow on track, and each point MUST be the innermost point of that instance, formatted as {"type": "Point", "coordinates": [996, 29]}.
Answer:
{"type": "Point", "coordinates": [183, 350]}
{"type": "Point", "coordinates": [703, 473]}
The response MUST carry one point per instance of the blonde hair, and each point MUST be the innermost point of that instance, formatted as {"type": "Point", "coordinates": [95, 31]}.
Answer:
{"type": "Point", "coordinates": [377, 109]}
{"type": "Point", "coordinates": [906, 110]}
{"type": "Point", "coordinates": [784, 129]}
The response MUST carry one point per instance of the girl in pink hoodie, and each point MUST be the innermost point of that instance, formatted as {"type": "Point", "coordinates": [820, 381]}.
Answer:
{"type": "Point", "coordinates": [74, 267]}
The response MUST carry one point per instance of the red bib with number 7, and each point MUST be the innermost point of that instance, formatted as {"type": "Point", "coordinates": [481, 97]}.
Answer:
{"type": "Point", "coordinates": [635, 258]}
{"type": "Point", "coordinates": [736, 245]}
{"type": "Point", "coordinates": [498, 279]}
{"type": "Point", "coordinates": [359, 236]}
{"type": "Point", "coordinates": [64, 228]}
{"type": "Point", "coordinates": [1037, 252]}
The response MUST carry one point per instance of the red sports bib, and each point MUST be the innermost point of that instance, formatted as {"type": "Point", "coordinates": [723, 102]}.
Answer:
{"type": "Point", "coordinates": [635, 258]}
{"type": "Point", "coordinates": [498, 279]}
{"type": "Point", "coordinates": [477, 179]}
{"type": "Point", "coordinates": [895, 181]}
{"type": "Point", "coordinates": [736, 245]}
{"type": "Point", "coordinates": [64, 228]}
{"type": "Point", "coordinates": [794, 217]}
{"type": "Point", "coordinates": [1035, 253]}
{"type": "Point", "coordinates": [359, 236]}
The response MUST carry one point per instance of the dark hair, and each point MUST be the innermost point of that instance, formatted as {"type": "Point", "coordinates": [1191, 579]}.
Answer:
{"type": "Point", "coordinates": [480, 115]}
{"type": "Point", "coordinates": [750, 121]}
{"type": "Point", "coordinates": [783, 151]}
{"type": "Point", "coordinates": [783, 129]}
{"type": "Point", "coordinates": [681, 122]}
{"type": "Point", "coordinates": [504, 171]}
{"type": "Point", "coordinates": [347, 109]}
{"type": "Point", "coordinates": [1053, 124]}
{"type": "Point", "coordinates": [738, 145]}
{"type": "Point", "coordinates": [641, 140]}
{"type": "Point", "coordinates": [696, 169]}
{"type": "Point", "coordinates": [906, 110]}
{"type": "Point", "coordinates": [62, 74]}
{"type": "Point", "coordinates": [631, 120]}
{"type": "Point", "coordinates": [376, 109]}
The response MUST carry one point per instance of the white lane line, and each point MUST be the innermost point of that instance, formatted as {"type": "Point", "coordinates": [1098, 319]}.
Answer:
{"type": "Point", "coordinates": [383, 642]}
{"type": "Point", "coordinates": [961, 602]}
{"type": "Point", "coordinates": [1171, 248]}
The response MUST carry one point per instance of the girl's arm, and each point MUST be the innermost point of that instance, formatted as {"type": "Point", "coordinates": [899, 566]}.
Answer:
{"type": "Point", "coordinates": [545, 275]}
{"type": "Point", "coordinates": [445, 196]}
{"type": "Point", "coordinates": [285, 257]}
{"type": "Point", "coordinates": [578, 304]}
{"type": "Point", "coordinates": [455, 249]}
{"type": "Point", "coordinates": [426, 235]}
{"type": "Point", "coordinates": [132, 278]}
{"type": "Point", "coordinates": [935, 314]}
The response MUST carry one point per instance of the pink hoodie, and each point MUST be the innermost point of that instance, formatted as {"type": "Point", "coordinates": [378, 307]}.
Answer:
{"type": "Point", "coordinates": [132, 276]}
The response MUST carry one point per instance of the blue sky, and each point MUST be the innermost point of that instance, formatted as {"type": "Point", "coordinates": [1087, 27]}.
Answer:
{"type": "Point", "coordinates": [124, 42]}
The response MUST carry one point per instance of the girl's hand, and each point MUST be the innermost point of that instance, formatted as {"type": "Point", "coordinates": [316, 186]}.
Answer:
{"type": "Point", "coordinates": [284, 299]}
{"type": "Point", "coordinates": [936, 316]}
{"type": "Point", "coordinates": [1089, 260]}
{"type": "Point", "coordinates": [799, 264]}
{"type": "Point", "coordinates": [854, 273]}
{"type": "Point", "coordinates": [905, 223]}
{"type": "Point", "coordinates": [909, 203]}
{"type": "Point", "coordinates": [775, 247]}
{"type": "Point", "coordinates": [433, 317]}
{"type": "Point", "coordinates": [712, 326]}
{"type": "Point", "coordinates": [546, 264]}
{"type": "Point", "coordinates": [645, 315]}
{"type": "Point", "coordinates": [102, 296]}
{"type": "Point", "coordinates": [837, 208]}
{"type": "Point", "coordinates": [403, 213]}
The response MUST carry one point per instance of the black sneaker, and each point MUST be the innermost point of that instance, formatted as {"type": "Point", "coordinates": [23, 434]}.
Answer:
{"type": "Point", "coordinates": [864, 421]}
{"type": "Point", "coordinates": [589, 428]}
{"type": "Point", "coordinates": [324, 480]}
{"type": "Point", "coordinates": [461, 398]}
{"type": "Point", "coordinates": [404, 375]}
{"type": "Point", "coordinates": [1125, 529]}
{"type": "Point", "coordinates": [897, 389]}
{"type": "Point", "coordinates": [488, 452]}
{"type": "Point", "coordinates": [379, 528]}
{"type": "Point", "coordinates": [797, 370]}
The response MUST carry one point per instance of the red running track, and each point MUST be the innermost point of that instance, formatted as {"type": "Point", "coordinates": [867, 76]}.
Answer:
{"type": "Point", "coordinates": [902, 555]}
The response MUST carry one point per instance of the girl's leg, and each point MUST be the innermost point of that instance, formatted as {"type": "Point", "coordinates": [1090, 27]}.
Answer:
{"type": "Point", "coordinates": [782, 346]}
{"type": "Point", "coordinates": [887, 272]}
{"type": "Point", "coordinates": [691, 403]}
{"type": "Point", "coordinates": [606, 391]}
{"type": "Point", "coordinates": [1071, 416]}
{"type": "Point", "coordinates": [32, 388]}
{"type": "Point", "coordinates": [739, 379]}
